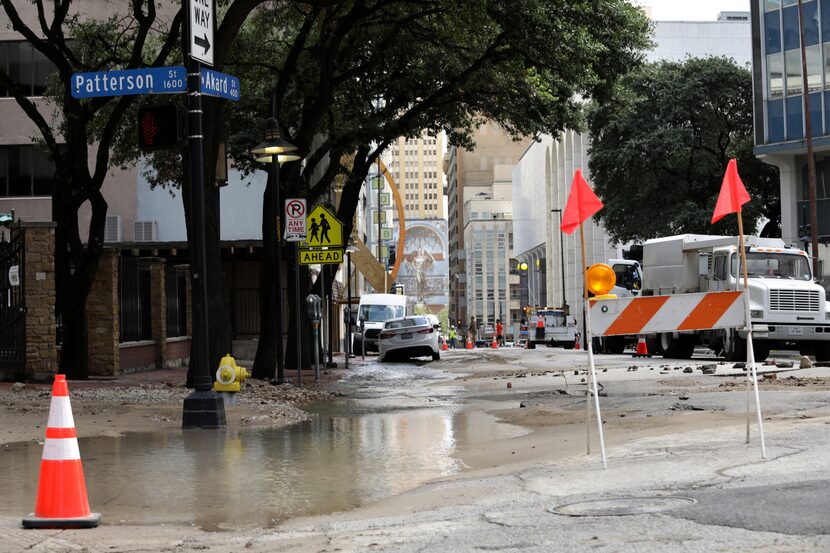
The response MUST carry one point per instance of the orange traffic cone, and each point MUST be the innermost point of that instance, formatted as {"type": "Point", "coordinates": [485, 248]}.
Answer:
{"type": "Point", "coordinates": [444, 346]}
{"type": "Point", "coordinates": [469, 343]}
{"type": "Point", "coordinates": [61, 495]}
{"type": "Point", "coordinates": [577, 345]}
{"type": "Point", "coordinates": [642, 348]}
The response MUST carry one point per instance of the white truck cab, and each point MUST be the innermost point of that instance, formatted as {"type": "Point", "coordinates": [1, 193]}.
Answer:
{"type": "Point", "coordinates": [560, 328]}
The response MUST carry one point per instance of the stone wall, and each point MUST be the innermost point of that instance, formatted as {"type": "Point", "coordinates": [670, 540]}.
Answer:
{"type": "Point", "coordinates": [39, 282]}
{"type": "Point", "coordinates": [158, 310]}
{"type": "Point", "coordinates": [102, 314]}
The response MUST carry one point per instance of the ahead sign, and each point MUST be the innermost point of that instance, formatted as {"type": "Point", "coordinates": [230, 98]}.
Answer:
{"type": "Point", "coordinates": [201, 30]}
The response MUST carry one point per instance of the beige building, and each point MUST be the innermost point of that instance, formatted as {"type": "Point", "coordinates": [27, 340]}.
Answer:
{"type": "Point", "coordinates": [416, 165]}
{"type": "Point", "coordinates": [480, 228]}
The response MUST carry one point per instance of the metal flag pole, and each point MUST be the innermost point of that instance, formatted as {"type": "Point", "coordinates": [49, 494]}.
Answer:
{"type": "Point", "coordinates": [297, 318]}
{"type": "Point", "coordinates": [592, 375]}
{"type": "Point", "coordinates": [752, 373]}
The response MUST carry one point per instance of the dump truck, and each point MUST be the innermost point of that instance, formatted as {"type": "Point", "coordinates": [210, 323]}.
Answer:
{"type": "Point", "coordinates": [788, 308]}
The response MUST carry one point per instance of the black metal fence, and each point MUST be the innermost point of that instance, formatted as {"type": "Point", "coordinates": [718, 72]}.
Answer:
{"type": "Point", "coordinates": [176, 290]}
{"type": "Point", "coordinates": [12, 302]}
{"type": "Point", "coordinates": [134, 292]}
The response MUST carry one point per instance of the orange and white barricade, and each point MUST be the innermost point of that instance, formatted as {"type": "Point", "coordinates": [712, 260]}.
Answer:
{"type": "Point", "coordinates": [647, 314]}
{"type": "Point", "coordinates": [677, 313]}
{"type": "Point", "coordinates": [61, 496]}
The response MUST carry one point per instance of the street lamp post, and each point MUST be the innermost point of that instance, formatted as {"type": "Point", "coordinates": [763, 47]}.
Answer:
{"type": "Point", "coordinates": [561, 257]}
{"type": "Point", "coordinates": [276, 151]}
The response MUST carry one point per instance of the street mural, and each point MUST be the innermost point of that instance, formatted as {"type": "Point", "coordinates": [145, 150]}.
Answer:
{"type": "Point", "coordinates": [424, 268]}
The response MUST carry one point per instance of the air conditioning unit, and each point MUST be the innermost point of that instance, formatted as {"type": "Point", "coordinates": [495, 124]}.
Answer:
{"type": "Point", "coordinates": [112, 229]}
{"type": "Point", "coordinates": [146, 231]}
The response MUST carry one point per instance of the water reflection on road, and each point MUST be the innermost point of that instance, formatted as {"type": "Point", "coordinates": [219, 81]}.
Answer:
{"type": "Point", "coordinates": [395, 432]}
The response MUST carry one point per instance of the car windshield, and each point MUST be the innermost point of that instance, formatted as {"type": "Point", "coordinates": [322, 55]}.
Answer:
{"type": "Point", "coordinates": [404, 323]}
{"type": "Point", "coordinates": [380, 313]}
{"type": "Point", "coordinates": [774, 265]}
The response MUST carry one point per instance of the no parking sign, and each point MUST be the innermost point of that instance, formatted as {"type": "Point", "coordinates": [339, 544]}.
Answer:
{"type": "Point", "coordinates": [295, 219]}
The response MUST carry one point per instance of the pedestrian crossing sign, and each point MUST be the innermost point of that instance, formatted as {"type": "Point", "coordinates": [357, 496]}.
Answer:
{"type": "Point", "coordinates": [323, 228]}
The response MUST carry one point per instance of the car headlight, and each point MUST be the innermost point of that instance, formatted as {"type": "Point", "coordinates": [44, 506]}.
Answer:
{"type": "Point", "coordinates": [757, 314]}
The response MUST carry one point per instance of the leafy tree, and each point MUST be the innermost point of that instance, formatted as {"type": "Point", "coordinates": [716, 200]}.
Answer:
{"type": "Point", "coordinates": [347, 78]}
{"type": "Point", "coordinates": [660, 145]}
{"type": "Point", "coordinates": [131, 37]}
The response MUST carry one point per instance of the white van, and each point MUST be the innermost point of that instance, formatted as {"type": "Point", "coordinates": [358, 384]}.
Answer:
{"type": "Point", "coordinates": [372, 312]}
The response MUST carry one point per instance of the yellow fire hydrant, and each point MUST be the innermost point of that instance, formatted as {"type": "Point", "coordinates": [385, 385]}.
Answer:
{"type": "Point", "coordinates": [229, 376]}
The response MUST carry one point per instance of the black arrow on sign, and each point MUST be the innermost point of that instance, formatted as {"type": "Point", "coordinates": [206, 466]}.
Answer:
{"type": "Point", "coordinates": [203, 42]}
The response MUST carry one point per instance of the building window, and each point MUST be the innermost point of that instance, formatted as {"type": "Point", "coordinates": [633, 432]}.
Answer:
{"type": "Point", "coordinates": [825, 20]}
{"type": "Point", "coordinates": [813, 54]}
{"type": "Point", "coordinates": [792, 60]}
{"type": "Point", "coordinates": [791, 39]}
{"type": "Point", "coordinates": [795, 125]}
{"type": "Point", "coordinates": [26, 66]}
{"type": "Point", "coordinates": [775, 120]}
{"type": "Point", "coordinates": [815, 115]}
{"type": "Point", "coordinates": [810, 22]}
{"type": "Point", "coordinates": [772, 31]}
{"type": "Point", "coordinates": [775, 75]}
{"type": "Point", "coordinates": [25, 171]}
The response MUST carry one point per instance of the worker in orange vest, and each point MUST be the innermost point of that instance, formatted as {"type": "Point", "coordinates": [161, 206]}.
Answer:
{"type": "Point", "coordinates": [540, 328]}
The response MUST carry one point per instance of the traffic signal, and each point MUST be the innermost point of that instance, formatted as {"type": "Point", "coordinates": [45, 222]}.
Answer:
{"type": "Point", "coordinates": [160, 127]}
{"type": "Point", "coordinates": [391, 259]}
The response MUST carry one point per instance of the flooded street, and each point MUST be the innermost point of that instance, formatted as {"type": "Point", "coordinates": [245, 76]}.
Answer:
{"type": "Point", "coordinates": [397, 429]}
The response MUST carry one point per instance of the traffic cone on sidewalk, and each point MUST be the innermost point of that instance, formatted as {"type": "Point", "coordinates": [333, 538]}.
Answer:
{"type": "Point", "coordinates": [642, 348]}
{"type": "Point", "coordinates": [577, 345]}
{"type": "Point", "coordinates": [61, 495]}
{"type": "Point", "coordinates": [495, 344]}
{"type": "Point", "coordinates": [469, 343]}
{"type": "Point", "coordinates": [444, 346]}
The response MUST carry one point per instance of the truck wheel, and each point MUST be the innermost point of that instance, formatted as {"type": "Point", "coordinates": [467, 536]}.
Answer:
{"type": "Point", "coordinates": [822, 351]}
{"type": "Point", "coordinates": [653, 345]}
{"type": "Point", "coordinates": [436, 355]}
{"type": "Point", "coordinates": [684, 346]}
{"type": "Point", "coordinates": [761, 350]}
{"type": "Point", "coordinates": [734, 347]}
{"type": "Point", "coordinates": [616, 344]}
{"type": "Point", "coordinates": [676, 347]}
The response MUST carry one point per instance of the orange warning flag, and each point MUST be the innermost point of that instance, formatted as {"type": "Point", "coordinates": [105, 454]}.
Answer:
{"type": "Point", "coordinates": [732, 195]}
{"type": "Point", "coordinates": [582, 203]}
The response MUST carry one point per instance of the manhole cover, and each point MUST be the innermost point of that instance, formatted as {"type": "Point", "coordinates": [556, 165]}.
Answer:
{"type": "Point", "coordinates": [621, 506]}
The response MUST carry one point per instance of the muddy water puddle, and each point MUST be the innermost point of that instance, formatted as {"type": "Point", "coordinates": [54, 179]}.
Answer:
{"type": "Point", "coordinates": [399, 433]}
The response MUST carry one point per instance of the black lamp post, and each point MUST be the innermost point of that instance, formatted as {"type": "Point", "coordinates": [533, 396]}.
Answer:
{"type": "Point", "coordinates": [276, 151]}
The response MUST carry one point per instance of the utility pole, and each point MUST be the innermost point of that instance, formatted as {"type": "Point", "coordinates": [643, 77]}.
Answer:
{"type": "Point", "coordinates": [811, 162]}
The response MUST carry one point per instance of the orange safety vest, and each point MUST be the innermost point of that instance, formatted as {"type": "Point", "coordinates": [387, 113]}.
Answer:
{"type": "Point", "coordinates": [540, 323]}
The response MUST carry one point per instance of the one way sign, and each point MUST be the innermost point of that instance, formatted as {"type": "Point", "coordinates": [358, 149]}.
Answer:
{"type": "Point", "coordinates": [201, 30]}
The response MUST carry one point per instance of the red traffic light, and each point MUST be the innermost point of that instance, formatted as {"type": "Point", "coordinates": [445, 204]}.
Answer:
{"type": "Point", "coordinates": [159, 127]}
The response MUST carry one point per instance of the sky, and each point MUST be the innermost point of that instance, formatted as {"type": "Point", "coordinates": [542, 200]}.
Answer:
{"type": "Point", "coordinates": [696, 10]}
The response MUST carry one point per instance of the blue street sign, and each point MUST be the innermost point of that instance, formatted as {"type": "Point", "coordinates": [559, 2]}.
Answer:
{"type": "Point", "coordinates": [125, 82]}
{"type": "Point", "coordinates": [221, 85]}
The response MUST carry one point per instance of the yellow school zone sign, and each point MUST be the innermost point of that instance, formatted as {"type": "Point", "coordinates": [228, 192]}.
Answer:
{"type": "Point", "coordinates": [313, 257]}
{"type": "Point", "coordinates": [323, 229]}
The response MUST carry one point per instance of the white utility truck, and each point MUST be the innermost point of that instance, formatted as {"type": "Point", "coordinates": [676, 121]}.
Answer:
{"type": "Point", "coordinates": [372, 312]}
{"type": "Point", "coordinates": [560, 328]}
{"type": "Point", "coordinates": [787, 307]}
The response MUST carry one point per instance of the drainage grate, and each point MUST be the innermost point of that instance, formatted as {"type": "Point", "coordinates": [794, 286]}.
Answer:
{"type": "Point", "coordinates": [622, 506]}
